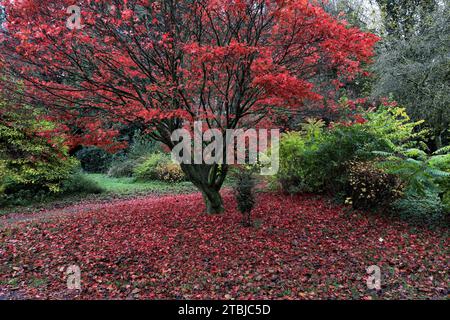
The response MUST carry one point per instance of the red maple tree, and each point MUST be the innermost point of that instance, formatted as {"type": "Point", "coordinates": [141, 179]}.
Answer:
{"type": "Point", "coordinates": [230, 63]}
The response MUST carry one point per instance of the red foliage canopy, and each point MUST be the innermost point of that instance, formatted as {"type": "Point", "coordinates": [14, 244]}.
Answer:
{"type": "Point", "coordinates": [232, 63]}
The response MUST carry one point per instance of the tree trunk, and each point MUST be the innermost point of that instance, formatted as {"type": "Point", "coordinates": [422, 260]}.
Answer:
{"type": "Point", "coordinates": [213, 201]}
{"type": "Point", "coordinates": [438, 141]}
{"type": "Point", "coordinates": [209, 180]}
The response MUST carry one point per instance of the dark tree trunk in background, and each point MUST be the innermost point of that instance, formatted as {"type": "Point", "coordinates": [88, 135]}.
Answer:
{"type": "Point", "coordinates": [209, 180]}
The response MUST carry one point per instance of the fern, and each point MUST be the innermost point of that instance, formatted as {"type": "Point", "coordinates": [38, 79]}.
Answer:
{"type": "Point", "coordinates": [421, 172]}
{"type": "Point", "coordinates": [443, 151]}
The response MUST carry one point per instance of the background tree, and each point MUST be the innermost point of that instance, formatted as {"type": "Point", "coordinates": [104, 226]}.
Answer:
{"type": "Point", "coordinates": [366, 14]}
{"type": "Point", "coordinates": [166, 63]}
{"type": "Point", "coordinates": [416, 71]}
{"type": "Point", "coordinates": [403, 18]}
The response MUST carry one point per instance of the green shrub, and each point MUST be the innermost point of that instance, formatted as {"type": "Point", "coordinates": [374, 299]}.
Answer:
{"type": "Point", "coordinates": [169, 172]}
{"type": "Point", "coordinates": [371, 187]}
{"type": "Point", "coordinates": [245, 195]}
{"type": "Point", "coordinates": [293, 159]}
{"type": "Point", "coordinates": [315, 159]}
{"type": "Point", "coordinates": [147, 170]}
{"type": "Point", "coordinates": [446, 201]}
{"type": "Point", "coordinates": [318, 163]}
{"type": "Point", "coordinates": [25, 197]}
{"type": "Point", "coordinates": [442, 162]}
{"type": "Point", "coordinates": [419, 171]}
{"type": "Point", "coordinates": [94, 160]}
{"type": "Point", "coordinates": [420, 209]}
{"type": "Point", "coordinates": [76, 184]}
{"type": "Point", "coordinates": [142, 146]}
{"type": "Point", "coordinates": [29, 159]}
{"type": "Point", "coordinates": [395, 126]}
{"type": "Point", "coordinates": [80, 183]}
{"type": "Point", "coordinates": [342, 144]}
{"type": "Point", "coordinates": [122, 168]}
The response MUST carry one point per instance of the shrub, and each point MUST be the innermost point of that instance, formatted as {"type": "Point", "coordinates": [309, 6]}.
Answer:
{"type": "Point", "coordinates": [147, 170]}
{"type": "Point", "coordinates": [122, 168]}
{"type": "Point", "coordinates": [341, 145]}
{"type": "Point", "coordinates": [293, 163]}
{"type": "Point", "coordinates": [441, 162]}
{"type": "Point", "coordinates": [20, 195]}
{"type": "Point", "coordinates": [418, 169]}
{"type": "Point", "coordinates": [317, 163]}
{"type": "Point", "coordinates": [24, 197]}
{"type": "Point", "coordinates": [80, 183]}
{"type": "Point", "coordinates": [94, 160]}
{"type": "Point", "coordinates": [29, 158]}
{"type": "Point", "coordinates": [420, 209]}
{"type": "Point", "coordinates": [371, 187]}
{"type": "Point", "coordinates": [142, 146]}
{"type": "Point", "coordinates": [315, 159]}
{"type": "Point", "coordinates": [245, 197]}
{"type": "Point", "coordinates": [169, 172]}
{"type": "Point", "coordinates": [395, 126]}
{"type": "Point", "coordinates": [446, 200]}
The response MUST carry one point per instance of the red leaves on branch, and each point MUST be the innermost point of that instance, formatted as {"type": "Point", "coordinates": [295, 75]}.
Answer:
{"type": "Point", "coordinates": [300, 248]}
{"type": "Point", "coordinates": [234, 61]}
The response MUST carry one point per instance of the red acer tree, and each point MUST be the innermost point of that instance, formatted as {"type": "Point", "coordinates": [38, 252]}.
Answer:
{"type": "Point", "coordinates": [166, 63]}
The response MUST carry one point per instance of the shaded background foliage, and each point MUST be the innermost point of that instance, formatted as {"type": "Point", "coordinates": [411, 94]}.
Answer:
{"type": "Point", "coordinates": [415, 70]}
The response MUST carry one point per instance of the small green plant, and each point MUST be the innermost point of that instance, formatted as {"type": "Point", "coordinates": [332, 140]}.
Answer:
{"type": "Point", "coordinates": [312, 128]}
{"type": "Point", "coordinates": [245, 195]}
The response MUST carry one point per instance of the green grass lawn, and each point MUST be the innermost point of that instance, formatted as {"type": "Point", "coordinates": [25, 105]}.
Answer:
{"type": "Point", "coordinates": [128, 186]}
{"type": "Point", "coordinates": [112, 188]}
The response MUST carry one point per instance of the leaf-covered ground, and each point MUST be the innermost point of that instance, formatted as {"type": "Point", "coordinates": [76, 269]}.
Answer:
{"type": "Point", "coordinates": [114, 189]}
{"type": "Point", "coordinates": [300, 248]}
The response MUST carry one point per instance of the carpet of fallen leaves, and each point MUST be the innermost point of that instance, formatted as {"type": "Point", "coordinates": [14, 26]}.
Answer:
{"type": "Point", "coordinates": [301, 247]}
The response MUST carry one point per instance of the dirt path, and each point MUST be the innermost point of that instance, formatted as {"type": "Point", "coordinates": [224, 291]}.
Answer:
{"type": "Point", "coordinates": [61, 210]}
{"type": "Point", "coordinates": [64, 209]}
{"type": "Point", "coordinates": [67, 209]}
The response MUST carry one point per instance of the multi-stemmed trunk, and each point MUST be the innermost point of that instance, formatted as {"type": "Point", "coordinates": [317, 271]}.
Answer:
{"type": "Point", "coordinates": [209, 180]}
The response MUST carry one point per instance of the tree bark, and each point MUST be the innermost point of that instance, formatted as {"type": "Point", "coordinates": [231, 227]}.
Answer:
{"type": "Point", "coordinates": [438, 141]}
{"type": "Point", "coordinates": [209, 180]}
{"type": "Point", "coordinates": [213, 201]}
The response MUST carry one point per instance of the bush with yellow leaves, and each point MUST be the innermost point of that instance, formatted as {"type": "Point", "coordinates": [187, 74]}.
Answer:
{"type": "Point", "coordinates": [169, 172]}
{"type": "Point", "coordinates": [371, 187]}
